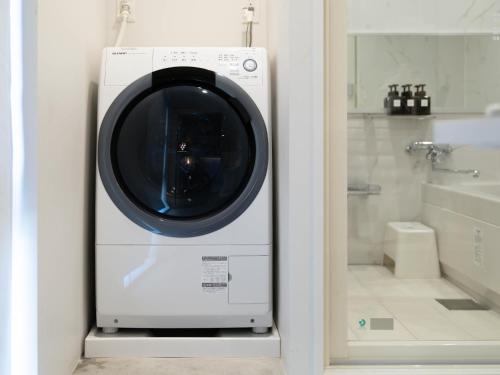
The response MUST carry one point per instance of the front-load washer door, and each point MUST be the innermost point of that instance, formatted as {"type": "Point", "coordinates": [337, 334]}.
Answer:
{"type": "Point", "coordinates": [183, 152]}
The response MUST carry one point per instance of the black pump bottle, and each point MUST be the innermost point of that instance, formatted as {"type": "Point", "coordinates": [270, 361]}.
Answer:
{"type": "Point", "coordinates": [408, 100]}
{"type": "Point", "coordinates": [422, 101]}
{"type": "Point", "coordinates": [393, 103]}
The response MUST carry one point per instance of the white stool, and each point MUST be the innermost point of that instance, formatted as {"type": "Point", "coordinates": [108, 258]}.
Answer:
{"type": "Point", "coordinates": [412, 247]}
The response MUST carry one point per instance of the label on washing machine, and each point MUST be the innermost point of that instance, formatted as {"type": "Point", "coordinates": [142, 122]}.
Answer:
{"type": "Point", "coordinates": [214, 274]}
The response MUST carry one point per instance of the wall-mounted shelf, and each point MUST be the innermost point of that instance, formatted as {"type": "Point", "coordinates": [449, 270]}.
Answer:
{"type": "Point", "coordinates": [363, 189]}
{"type": "Point", "coordinates": [375, 115]}
{"type": "Point", "coordinates": [416, 32]}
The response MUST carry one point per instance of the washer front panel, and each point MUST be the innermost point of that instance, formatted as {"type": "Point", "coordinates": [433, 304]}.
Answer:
{"type": "Point", "coordinates": [183, 152]}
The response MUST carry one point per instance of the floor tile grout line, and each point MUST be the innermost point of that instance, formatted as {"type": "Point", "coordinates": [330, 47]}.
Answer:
{"type": "Point", "coordinates": [442, 288]}
{"type": "Point", "coordinates": [476, 338]}
{"type": "Point", "coordinates": [414, 334]}
{"type": "Point", "coordinates": [380, 302]}
{"type": "Point", "coordinates": [354, 333]}
{"type": "Point", "coordinates": [446, 314]}
{"type": "Point", "coordinates": [458, 330]}
{"type": "Point", "coordinates": [400, 321]}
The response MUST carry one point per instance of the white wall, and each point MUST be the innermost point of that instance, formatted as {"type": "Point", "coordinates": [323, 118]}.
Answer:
{"type": "Point", "coordinates": [187, 23]}
{"type": "Point", "coordinates": [68, 62]}
{"type": "Point", "coordinates": [281, 153]}
{"type": "Point", "coordinates": [5, 189]}
{"type": "Point", "coordinates": [296, 45]}
{"type": "Point", "coordinates": [18, 349]}
{"type": "Point", "coordinates": [69, 46]}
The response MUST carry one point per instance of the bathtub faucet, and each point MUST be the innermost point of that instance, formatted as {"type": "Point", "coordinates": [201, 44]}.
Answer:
{"type": "Point", "coordinates": [428, 146]}
{"type": "Point", "coordinates": [474, 172]}
{"type": "Point", "coordinates": [434, 151]}
{"type": "Point", "coordinates": [434, 154]}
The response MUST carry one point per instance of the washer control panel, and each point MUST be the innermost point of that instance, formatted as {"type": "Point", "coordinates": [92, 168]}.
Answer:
{"type": "Point", "coordinates": [240, 64]}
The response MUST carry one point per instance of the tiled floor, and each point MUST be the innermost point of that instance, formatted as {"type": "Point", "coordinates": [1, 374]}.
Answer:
{"type": "Point", "coordinates": [374, 292]}
{"type": "Point", "coordinates": [179, 366]}
{"type": "Point", "coordinates": [414, 370]}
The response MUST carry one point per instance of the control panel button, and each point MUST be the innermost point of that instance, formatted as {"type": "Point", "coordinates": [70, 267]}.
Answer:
{"type": "Point", "coordinates": [250, 65]}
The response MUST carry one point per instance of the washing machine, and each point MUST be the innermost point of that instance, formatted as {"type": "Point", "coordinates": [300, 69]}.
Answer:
{"type": "Point", "coordinates": [183, 189]}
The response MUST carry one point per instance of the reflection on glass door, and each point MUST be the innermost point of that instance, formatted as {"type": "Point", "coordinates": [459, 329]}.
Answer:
{"type": "Point", "coordinates": [423, 216]}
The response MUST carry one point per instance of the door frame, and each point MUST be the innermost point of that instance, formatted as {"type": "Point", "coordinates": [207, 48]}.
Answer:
{"type": "Point", "coordinates": [337, 350]}
{"type": "Point", "coordinates": [5, 189]}
{"type": "Point", "coordinates": [23, 335]}
{"type": "Point", "coordinates": [336, 345]}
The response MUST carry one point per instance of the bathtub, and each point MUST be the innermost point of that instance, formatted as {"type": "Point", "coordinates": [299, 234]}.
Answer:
{"type": "Point", "coordinates": [466, 218]}
{"type": "Point", "coordinates": [488, 190]}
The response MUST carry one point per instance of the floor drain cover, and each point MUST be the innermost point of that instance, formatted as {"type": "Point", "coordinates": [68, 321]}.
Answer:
{"type": "Point", "coordinates": [461, 304]}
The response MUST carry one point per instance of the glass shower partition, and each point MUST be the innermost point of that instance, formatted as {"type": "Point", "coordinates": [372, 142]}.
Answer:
{"type": "Point", "coordinates": [423, 213]}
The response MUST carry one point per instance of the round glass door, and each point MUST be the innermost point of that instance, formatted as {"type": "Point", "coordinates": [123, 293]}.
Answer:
{"type": "Point", "coordinates": [183, 152]}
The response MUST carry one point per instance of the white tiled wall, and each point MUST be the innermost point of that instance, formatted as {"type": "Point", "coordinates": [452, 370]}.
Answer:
{"type": "Point", "coordinates": [461, 74]}
{"type": "Point", "coordinates": [423, 16]}
{"type": "Point", "coordinates": [481, 67]}
{"type": "Point", "coordinates": [187, 23]}
{"type": "Point", "coordinates": [376, 155]}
